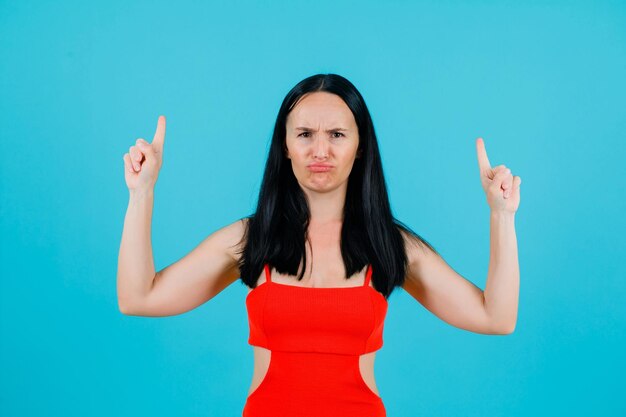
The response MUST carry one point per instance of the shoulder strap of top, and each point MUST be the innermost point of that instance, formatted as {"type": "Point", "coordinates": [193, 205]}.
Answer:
{"type": "Point", "coordinates": [368, 275]}
{"type": "Point", "coordinates": [267, 273]}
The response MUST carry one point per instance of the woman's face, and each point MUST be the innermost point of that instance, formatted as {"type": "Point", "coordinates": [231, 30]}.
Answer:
{"type": "Point", "coordinates": [322, 139]}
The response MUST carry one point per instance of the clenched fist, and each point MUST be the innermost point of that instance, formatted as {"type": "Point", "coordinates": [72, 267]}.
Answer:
{"type": "Point", "coordinates": [143, 160]}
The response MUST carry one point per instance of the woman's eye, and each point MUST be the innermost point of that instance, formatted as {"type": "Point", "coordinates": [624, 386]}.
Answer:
{"type": "Point", "coordinates": [334, 133]}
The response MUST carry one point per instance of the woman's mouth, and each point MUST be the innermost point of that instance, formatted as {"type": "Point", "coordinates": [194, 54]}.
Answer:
{"type": "Point", "coordinates": [319, 167]}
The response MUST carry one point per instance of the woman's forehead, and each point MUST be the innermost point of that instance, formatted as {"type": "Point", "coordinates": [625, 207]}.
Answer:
{"type": "Point", "coordinates": [321, 109]}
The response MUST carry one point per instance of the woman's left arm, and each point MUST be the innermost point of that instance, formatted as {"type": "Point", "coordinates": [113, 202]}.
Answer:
{"type": "Point", "coordinates": [503, 196]}
{"type": "Point", "coordinates": [501, 294]}
{"type": "Point", "coordinates": [456, 300]}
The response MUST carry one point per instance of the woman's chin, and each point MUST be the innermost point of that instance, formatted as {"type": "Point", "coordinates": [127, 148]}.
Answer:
{"type": "Point", "coordinates": [321, 187]}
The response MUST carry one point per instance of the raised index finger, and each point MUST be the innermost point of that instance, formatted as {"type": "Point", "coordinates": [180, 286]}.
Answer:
{"type": "Point", "coordinates": [159, 136]}
{"type": "Point", "coordinates": [483, 161]}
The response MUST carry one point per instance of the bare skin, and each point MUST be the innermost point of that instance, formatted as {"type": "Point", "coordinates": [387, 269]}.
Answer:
{"type": "Point", "coordinates": [212, 265]}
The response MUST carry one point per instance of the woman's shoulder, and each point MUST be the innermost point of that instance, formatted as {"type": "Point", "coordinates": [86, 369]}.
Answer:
{"type": "Point", "coordinates": [232, 236]}
{"type": "Point", "coordinates": [415, 245]}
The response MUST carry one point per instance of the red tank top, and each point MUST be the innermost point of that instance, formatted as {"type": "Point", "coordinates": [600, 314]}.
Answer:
{"type": "Point", "coordinates": [343, 320]}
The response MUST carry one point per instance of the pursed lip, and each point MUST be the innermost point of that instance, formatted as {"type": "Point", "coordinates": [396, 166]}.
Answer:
{"type": "Point", "coordinates": [319, 167]}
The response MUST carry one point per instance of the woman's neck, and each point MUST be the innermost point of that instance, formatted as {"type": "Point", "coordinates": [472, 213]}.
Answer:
{"type": "Point", "coordinates": [326, 207]}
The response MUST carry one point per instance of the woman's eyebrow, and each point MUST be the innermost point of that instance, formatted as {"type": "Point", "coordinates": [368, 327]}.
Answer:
{"type": "Point", "coordinates": [329, 130]}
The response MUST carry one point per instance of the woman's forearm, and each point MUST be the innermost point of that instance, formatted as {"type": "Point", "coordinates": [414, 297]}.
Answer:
{"type": "Point", "coordinates": [135, 271]}
{"type": "Point", "coordinates": [502, 289]}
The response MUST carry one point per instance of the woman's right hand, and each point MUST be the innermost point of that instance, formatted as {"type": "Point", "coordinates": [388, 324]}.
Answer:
{"type": "Point", "coordinates": [143, 160]}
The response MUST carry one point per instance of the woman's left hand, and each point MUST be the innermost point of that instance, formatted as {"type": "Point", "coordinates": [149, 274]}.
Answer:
{"type": "Point", "coordinates": [502, 188]}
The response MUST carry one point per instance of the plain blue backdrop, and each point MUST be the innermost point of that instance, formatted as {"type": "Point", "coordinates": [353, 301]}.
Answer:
{"type": "Point", "coordinates": [542, 82]}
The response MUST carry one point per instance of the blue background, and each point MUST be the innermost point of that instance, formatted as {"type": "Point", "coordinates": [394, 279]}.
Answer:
{"type": "Point", "coordinates": [543, 83]}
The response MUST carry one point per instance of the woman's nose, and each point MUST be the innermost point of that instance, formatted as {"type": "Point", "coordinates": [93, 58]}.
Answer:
{"type": "Point", "coordinates": [320, 149]}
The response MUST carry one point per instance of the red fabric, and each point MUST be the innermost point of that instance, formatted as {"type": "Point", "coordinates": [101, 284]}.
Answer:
{"type": "Point", "coordinates": [316, 336]}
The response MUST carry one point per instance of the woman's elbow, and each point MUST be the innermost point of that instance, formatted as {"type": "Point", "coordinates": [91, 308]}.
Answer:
{"type": "Point", "coordinates": [505, 329]}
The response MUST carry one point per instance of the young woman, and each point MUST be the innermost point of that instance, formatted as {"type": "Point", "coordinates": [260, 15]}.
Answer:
{"type": "Point", "coordinates": [321, 255]}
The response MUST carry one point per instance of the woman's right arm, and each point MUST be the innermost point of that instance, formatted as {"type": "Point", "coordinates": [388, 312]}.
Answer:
{"type": "Point", "coordinates": [182, 286]}
{"type": "Point", "coordinates": [187, 283]}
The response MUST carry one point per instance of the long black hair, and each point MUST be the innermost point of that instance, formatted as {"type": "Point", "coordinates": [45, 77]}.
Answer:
{"type": "Point", "coordinates": [277, 231]}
